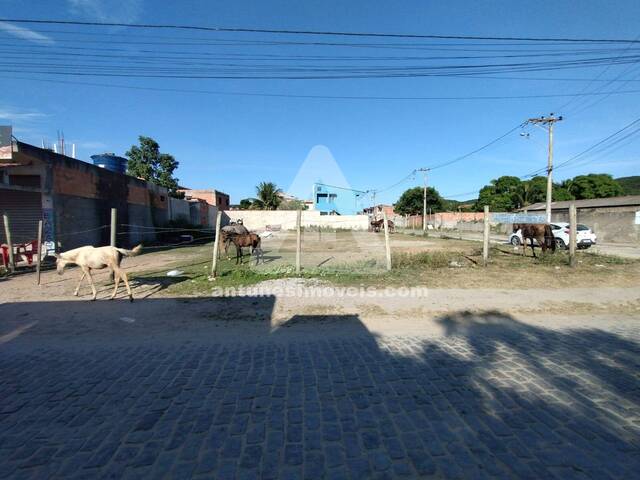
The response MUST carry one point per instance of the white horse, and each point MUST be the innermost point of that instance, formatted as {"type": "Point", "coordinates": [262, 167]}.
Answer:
{"type": "Point", "coordinates": [91, 258]}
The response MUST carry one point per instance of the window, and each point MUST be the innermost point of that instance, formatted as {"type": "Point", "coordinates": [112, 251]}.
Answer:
{"type": "Point", "coordinates": [332, 198]}
{"type": "Point", "coordinates": [25, 180]}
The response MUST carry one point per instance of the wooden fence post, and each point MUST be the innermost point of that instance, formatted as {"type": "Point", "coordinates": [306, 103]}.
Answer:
{"type": "Point", "coordinates": [485, 237]}
{"type": "Point", "coordinates": [38, 258]}
{"type": "Point", "coordinates": [216, 246]}
{"type": "Point", "coordinates": [386, 239]}
{"type": "Point", "coordinates": [298, 240]}
{"type": "Point", "coordinates": [114, 217]}
{"type": "Point", "coordinates": [573, 233]}
{"type": "Point", "coordinates": [7, 233]}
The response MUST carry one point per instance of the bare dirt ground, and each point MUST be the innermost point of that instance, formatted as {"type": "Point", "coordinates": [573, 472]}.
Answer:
{"type": "Point", "coordinates": [512, 285]}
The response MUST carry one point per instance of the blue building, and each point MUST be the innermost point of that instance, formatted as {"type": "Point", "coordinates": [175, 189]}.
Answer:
{"type": "Point", "coordinates": [331, 200]}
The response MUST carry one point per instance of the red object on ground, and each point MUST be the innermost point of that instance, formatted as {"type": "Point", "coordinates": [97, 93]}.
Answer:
{"type": "Point", "coordinates": [21, 252]}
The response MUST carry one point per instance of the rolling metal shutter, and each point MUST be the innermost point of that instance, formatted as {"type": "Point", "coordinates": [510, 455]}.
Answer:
{"type": "Point", "coordinates": [24, 209]}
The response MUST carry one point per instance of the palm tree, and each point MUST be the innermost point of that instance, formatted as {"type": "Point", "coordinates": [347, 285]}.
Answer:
{"type": "Point", "coordinates": [268, 196]}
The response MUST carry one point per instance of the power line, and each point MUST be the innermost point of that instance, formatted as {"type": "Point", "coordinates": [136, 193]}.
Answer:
{"type": "Point", "coordinates": [313, 32]}
{"type": "Point", "coordinates": [590, 149]}
{"type": "Point", "coordinates": [312, 96]}
{"type": "Point", "coordinates": [450, 162]}
{"type": "Point", "coordinates": [445, 164]}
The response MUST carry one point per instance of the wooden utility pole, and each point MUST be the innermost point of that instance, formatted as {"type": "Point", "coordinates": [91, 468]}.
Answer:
{"type": "Point", "coordinates": [386, 239]}
{"type": "Point", "coordinates": [548, 122]}
{"type": "Point", "coordinates": [298, 240]}
{"type": "Point", "coordinates": [216, 246]}
{"type": "Point", "coordinates": [39, 257]}
{"type": "Point", "coordinates": [7, 234]}
{"type": "Point", "coordinates": [573, 234]}
{"type": "Point", "coordinates": [114, 217]}
{"type": "Point", "coordinates": [485, 237]}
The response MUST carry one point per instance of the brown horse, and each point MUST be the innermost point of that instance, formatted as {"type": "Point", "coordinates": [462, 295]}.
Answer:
{"type": "Point", "coordinates": [247, 240]}
{"type": "Point", "coordinates": [377, 225]}
{"type": "Point", "coordinates": [540, 231]}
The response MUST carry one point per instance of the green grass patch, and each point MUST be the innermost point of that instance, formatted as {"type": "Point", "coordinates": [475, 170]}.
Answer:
{"type": "Point", "coordinates": [437, 259]}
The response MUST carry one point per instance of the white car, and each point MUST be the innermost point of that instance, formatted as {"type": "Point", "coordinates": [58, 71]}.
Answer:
{"type": "Point", "coordinates": [584, 238]}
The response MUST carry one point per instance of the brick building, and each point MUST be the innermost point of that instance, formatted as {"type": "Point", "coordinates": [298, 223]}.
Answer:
{"type": "Point", "coordinates": [74, 199]}
{"type": "Point", "coordinates": [212, 197]}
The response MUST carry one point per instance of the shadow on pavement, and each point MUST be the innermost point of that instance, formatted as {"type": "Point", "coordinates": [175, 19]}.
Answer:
{"type": "Point", "coordinates": [312, 396]}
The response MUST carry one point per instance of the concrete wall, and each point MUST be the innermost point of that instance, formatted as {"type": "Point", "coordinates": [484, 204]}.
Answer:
{"type": "Point", "coordinates": [286, 219]}
{"type": "Point", "coordinates": [443, 220]}
{"type": "Point", "coordinates": [179, 209]}
{"type": "Point", "coordinates": [611, 225]}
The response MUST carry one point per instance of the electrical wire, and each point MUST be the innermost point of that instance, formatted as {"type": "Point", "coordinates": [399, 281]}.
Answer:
{"type": "Point", "coordinates": [311, 96]}
{"type": "Point", "coordinates": [311, 32]}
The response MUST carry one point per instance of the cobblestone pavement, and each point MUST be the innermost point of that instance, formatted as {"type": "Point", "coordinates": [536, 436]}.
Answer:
{"type": "Point", "coordinates": [494, 398]}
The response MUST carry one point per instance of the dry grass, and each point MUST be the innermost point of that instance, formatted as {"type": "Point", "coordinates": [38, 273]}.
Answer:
{"type": "Point", "coordinates": [357, 258]}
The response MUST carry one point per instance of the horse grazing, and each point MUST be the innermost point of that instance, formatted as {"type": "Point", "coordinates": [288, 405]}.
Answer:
{"type": "Point", "coordinates": [228, 231]}
{"type": "Point", "coordinates": [540, 231]}
{"type": "Point", "coordinates": [247, 240]}
{"type": "Point", "coordinates": [91, 258]}
{"type": "Point", "coordinates": [377, 225]}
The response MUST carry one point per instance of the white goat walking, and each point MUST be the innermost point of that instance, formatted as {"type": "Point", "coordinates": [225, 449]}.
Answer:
{"type": "Point", "coordinates": [95, 258]}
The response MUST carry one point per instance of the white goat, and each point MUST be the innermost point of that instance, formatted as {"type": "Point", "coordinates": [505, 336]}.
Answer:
{"type": "Point", "coordinates": [95, 258]}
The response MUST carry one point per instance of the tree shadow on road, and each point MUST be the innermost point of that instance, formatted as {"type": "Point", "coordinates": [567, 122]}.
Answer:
{"type": "Point", "coordinates": [319, 396]}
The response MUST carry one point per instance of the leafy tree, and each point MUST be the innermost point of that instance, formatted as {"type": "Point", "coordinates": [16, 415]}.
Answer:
{"type": "Point", "coordinates": [292, 205]}
{"type": "Point", "coordinates": [560, 194]}
{"type": "Point", "coordinates": [410, 202]}
{"type": "Point", "coordinates": [505, 194]}
{"type": "Point", "coordinates": [268, 195]}
{"type": "Point", "coordinates": [502, 194]}
{"type": "Point", "coordinates": [594, 185]}
{"type": "Point", "coordinates": [246, 203]}
{"type": "Point", "coordinates": [630, 185]}
{"type": "Point", "coordinates": [146, 161]}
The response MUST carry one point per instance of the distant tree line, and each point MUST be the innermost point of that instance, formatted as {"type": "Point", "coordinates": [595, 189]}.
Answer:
{"type": "Point", "coordinates": [509, 193]}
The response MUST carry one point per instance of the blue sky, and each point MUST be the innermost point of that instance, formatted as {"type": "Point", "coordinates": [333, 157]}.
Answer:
{"type": "Point", "coordinates": [232, 143]}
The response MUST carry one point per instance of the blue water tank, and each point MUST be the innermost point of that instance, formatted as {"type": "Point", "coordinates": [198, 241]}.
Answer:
{"type": "Point", "coordinates": [111, 162]}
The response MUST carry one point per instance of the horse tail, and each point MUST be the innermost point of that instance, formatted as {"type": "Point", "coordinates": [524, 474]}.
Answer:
{"type": "Point", "coordinates": [130, 253]}
{"type": "Point", "coordinates": [549, 238]}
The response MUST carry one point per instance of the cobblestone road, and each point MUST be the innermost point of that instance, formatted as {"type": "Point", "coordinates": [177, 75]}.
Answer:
{"type": "Point", "coordinates": [492, 399]}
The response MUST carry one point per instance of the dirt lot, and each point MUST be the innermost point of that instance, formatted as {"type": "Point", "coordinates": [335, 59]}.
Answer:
{"type": "Point", "coordinates": [447, 270]}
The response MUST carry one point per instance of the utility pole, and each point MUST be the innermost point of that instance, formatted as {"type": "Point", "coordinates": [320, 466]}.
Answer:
{"type": "Point", "coordinates": [424, 198]}
{"type": "Point", "coordinates": [547, 122]}
{"type": "Point", "coordinates": [373, 206]}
